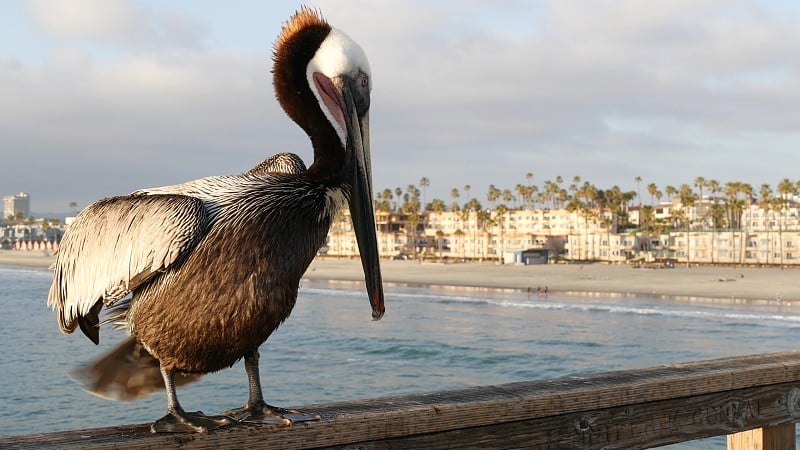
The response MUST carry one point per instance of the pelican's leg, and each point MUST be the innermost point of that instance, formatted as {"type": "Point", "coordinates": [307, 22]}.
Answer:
{"type": "Point", "coordinates": [256, 409]}
{"type": "Point", "coordinates": [177, 420]}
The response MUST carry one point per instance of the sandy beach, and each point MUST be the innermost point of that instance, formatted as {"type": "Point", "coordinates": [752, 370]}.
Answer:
{"type": "Point", "coordinates": [706, 282]}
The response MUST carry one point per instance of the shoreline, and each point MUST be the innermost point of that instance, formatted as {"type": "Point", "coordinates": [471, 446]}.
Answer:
{"type": "Point", "coordinates": [742, 283]}
{"type": "Point", "coordinates": [725, 283]}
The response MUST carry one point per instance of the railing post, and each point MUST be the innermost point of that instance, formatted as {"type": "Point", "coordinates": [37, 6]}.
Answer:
{"type": "Point", "coordinates": [779, 437]}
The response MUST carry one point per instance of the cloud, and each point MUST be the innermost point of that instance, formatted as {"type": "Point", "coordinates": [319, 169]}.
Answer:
{"type": "Point", "coordinates": [116, 22]}
{"type": "Point", "coordinates": [84, 128]}
{"type": "Point", "coordinates": [464, 93]}
{"type": "Point", "coordinates": [715, 69]}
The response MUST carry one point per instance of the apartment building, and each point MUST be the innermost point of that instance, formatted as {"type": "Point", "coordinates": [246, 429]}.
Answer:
{"type": "Point", "coordinates": [17, 206]}
{"type": "Point", "coordinates": [766, 236]}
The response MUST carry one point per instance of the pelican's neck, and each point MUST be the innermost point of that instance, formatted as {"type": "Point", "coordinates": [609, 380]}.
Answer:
{"type": "Point", "coordinates": [294, 51]}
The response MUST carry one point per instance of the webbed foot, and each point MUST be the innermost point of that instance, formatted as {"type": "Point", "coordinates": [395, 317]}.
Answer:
{"type": "Point", "coordinates": [196, 422]}
{"type": "Point", "coordinates": [263, 413]}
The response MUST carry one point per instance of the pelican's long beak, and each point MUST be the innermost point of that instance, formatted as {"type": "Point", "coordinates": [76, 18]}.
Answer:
{"type": "Point", "coordinates": [361, 208]}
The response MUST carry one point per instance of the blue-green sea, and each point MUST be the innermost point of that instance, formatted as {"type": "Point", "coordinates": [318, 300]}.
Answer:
{"type": "Point", "coordinates": [432, 338]}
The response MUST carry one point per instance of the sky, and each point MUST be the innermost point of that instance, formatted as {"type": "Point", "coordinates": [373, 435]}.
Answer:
{"type": "Point", "coordinates": [103, 97]}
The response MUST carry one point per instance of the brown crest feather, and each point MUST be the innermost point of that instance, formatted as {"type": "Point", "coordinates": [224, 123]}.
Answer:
{"type": "Point", "coordinates": [304, 18]}
{"type": "Point", "coordinates": [297, 44]}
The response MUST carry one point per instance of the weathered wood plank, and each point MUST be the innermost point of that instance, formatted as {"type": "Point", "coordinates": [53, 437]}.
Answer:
{"type": "Point", "coordinates": [632, 426]}
{"type": "Point", "coordinates": [781, 437]}
{"type": "Point", "coordinates": [623, 409]}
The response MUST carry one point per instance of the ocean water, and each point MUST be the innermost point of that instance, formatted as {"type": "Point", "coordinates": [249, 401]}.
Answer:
{"type": "Point", "coordinates": [432, 338]}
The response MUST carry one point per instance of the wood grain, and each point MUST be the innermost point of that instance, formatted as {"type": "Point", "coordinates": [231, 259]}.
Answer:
{"type": "Point", "coordinates": [623, 409]}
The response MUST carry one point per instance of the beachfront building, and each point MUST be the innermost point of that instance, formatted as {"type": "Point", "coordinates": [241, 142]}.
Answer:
{"type": "Point", "coordinates": [20, 231]}
{"type": "Point", "coordinates": [468, 235]}
{"type": "Point", "coordinates": [609, 247]}
{"type": "Point", "coordinates": [16, 207]}
{"type": "Point", "coordinates": [706, 230]}
{"type": "Point", "coordinates": [394, 235]}
{"type": "Point", "coordinates": [760, 247]}
{"type": "Point", "coordinates": [756, 248]}
{"type": "Point", "coordinates": [34, 235]}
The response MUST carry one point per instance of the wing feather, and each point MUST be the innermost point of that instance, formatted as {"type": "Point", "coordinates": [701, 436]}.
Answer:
{"type": "Point", "coordinates": [116, 244]}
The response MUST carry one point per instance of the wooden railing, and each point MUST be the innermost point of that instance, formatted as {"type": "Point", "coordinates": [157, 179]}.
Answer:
{"type": "Point", "coordinates": [625, 409]}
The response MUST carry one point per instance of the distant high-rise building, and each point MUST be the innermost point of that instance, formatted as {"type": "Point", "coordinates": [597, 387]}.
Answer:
{"type": "Point", "coordinates": [14, 205]}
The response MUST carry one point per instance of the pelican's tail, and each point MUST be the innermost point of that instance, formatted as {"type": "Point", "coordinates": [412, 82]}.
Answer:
{"type": "Point", "coordinates": [126, 373]}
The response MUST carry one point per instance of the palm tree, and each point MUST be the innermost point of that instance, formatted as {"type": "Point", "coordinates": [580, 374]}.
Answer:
{"type": "Point", "coordinates": [398, 194]}
{"type": "Point", "coordinates": [558, 194]}
{"type": "Point", "coordinates": [411, 206]}
{"type": "Point", "coordinates": [454, 195]}
{"type": "Point", "coordinates": [713, 186]}
{"type": "Point", "coordinates": [717, 223]}
{"type": "Point", "coordinates": [575, 206]}
{"type": "Point", "coordinates": [413, 221]}
{"type": "Point", "coordinates": [460, 236]}
{"type": "Point", "coordinates": [765, 202]}
{"type": "Point", "coordinates": [652, 189]}
{"type": "Point", "coordinates": [563, 198]}
{"type": "Point", "coordinates": [525, 195]}
{"type": "Point", "coordinates": [700, 183]}
{"type": "Point", "coordinates": [607, 222]}
{"type": "Point", "coordinates": [551, 193]}
{"type": "Point", "coordinates": [687, 201]}
{"type": "Point", "coordinates": [731, 191]}
{"type": "Point", "coordinates": [423, 183]}
{"type": "Point", "coordinates": [716, 217]}
{"type": "Point", "coordinates": [671, 192]}
{"type": "Point", "coordinates": [785, 189]}
{"type": "Point", "coordinates": [507, 196]}
{"type": "Point", "coordinates": [541, 199]}
{"type": "Point", "coordinates": [385, 200]}
{"type": "Point", "coordinates": [678, 219]}
{"type": "Point", "coordinates": [473, 205]}
{"type": "Point", "coordinates": [646, 219]}
{"type": "Point", "coordinates": [746, 189]}
{"type": "Point", "coordinates": [485, 222]}
{"type": "Point", "coordinates": [638, 181]}
{"type": "Point", "coordinates": [501, 211]}
{"type": "Point", "coordinates": [438, 207]}
{"type": "Point", "coordinates": [492, 194]}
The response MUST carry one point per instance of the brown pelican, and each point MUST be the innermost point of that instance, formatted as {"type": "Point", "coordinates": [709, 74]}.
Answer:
{"type": "Point", "coordinates": [213, 265]}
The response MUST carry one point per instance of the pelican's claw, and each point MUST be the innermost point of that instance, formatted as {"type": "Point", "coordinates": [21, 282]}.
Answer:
{"type": "Point", "coordinates": [196, 422]}
{"type": "Point", "coordinates": [262, 413]}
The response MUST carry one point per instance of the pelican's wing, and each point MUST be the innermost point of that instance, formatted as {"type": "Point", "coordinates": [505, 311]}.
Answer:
{"type": "Point", "coordinates": [287, 163]}
{"type": "Point", "coordinates": [116, 244]}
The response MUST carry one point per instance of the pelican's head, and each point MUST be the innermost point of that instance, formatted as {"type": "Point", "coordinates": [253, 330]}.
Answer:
{"type": "Point", "coordinates": [323, 81]}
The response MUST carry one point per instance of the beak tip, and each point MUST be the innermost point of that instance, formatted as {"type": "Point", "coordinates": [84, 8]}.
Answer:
{"type": "Point", "coordinates": [377, 314]}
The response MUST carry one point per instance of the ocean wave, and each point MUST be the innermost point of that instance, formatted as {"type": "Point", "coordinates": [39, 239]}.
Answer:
{"type": "Point", "coordinates": [669, 309]}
